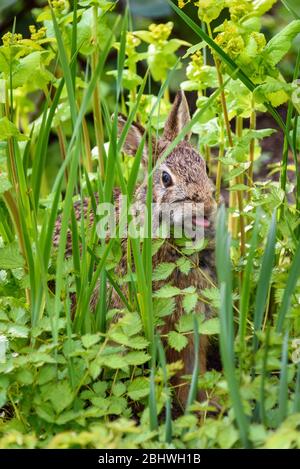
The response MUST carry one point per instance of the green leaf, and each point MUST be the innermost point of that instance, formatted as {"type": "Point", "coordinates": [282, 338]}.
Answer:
{"type": "Point", "coordinates": [24, 377]}
{"type": "Point", "coordinates": [167, 291]}
{"type": "Point", "coordinates": [137, 342]}
{"type": "Point", "coordinates": [89, 340]}
{"type": "Point", "coordinates": [114, 361]}
{"type": "Point", "coordinates": [184, 265]}
{"type": "Point", "coordinates": [163, 271]}
{"type": "Point", "coordinates": [46, 374]}
{"type": "Point", "coordinates": [210, 327]}
{"type": "Point", "coordinates": [280, 44]}
{"type": "Point", "coordinates": [10, 257]}
{"type": "Point", "coordinates": [189, 302]}
{"type": "Point", "coordinates": [18, 331]}
{"type": "Point", "coordinates": [60, 395]}
{"type": "Point", "coordinates": [5, 185]}
{"type": "Point", "coordinates": [9, 130]}
{"type": "Point", "coordinates": [118, 389]}
{"type": "Point", "coordinates": [185, 323]}
{"type": "Point", "coordinates": [138, 388]}
{"type": "Point", "coordinates": [137, 358]}
{"type": "Point", "coordinates": [131, 324]}
{"type": "Point", "coordinates": [163, 306]}
{"type": "Point", "coordinates": [177, 341]}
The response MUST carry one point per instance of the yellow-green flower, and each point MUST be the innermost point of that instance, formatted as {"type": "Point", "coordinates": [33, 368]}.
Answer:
{"type": "Point", "coordinates": [161, 32]}
{"type": "Point", "coordinates": [60, 5]}
{"type": "Point", "coordinates": [209, 10]}
{"type": "Point", "coordinates": [37, 35]}
{"type": "Point", "coordinates": [11, 38]}
{"type": "Point", "coordinates": [239, 8]}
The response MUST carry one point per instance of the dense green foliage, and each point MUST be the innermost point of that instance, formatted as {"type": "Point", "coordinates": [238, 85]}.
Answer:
{"type": "Point", "coordinates": [73, 377]}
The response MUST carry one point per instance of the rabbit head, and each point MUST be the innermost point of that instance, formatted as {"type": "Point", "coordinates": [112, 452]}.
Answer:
{"type": "Point", "coordinates": [181, 177]}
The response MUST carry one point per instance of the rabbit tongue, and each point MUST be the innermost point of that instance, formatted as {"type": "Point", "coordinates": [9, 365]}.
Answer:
{"type": "Point", "coordinates": [201, 222]}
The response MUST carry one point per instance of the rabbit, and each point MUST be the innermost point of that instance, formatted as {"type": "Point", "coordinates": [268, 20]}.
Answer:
{"type": "Point", "coordinates": [180, 178]}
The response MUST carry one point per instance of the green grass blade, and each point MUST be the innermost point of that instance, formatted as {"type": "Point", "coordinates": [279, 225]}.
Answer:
{"type": "Point", "coordinates": [289, 289]}
{"type": "Point", "coordinates": [192, 396]}
{"type": "Point", "coordinates": [263, 286]}
{"type": "Point", "coordinates": [296, 405]}
{"type": "Point", "coordinates": [224, 271]}
{"type": "Point", "coordinates": [163, 364]}
{"type": "Point", "coordinates": [246, 287]}
{"type": "Point", "coordinates": [283, 384]}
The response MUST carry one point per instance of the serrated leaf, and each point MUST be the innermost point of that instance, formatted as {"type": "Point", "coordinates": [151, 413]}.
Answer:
{"type": "Point", "coordinates": [88, 340]}
{"type": "Point", "coordinates": [184, 265]}
{"type": "Point", "coordinates": [189, 302]}
{"type": "Point", "coordinates": [46, 374]}
{"type": "Point", "coordinates": [137, 358]}
{"type": "Point", "coordinates": [9, 130]}
{"type": "Point", "coordinates": [138, 388]}
{"type": "Point", "coordinates": [167, 291]}
{"type": "Point", "coordinates": [5, 184]}
{"type": "Point", "coordinates": [280, 44]}
{"type": "Point", "coordinates": [185, 323]}
{"type": "Point", "coordinates": [131, 324]}
{"type": "Point", "coordinates": [114, 361]}
{"type": "Point", "coordinates": [163, 306]}
{"type": "Point", "coordinates": [24, 377]}
{"type": "Point", "coordinates": [10, 257]}
{"type": "Point", "coordinates": [163, 271]}
{"type": "Point", "coordinates": [177, 341]}
{"type": "Point", "coordinates": [18, 331]}
{"type": "Point", "coordinates": [117, 405]}
{"type": "Point", "coordinates": [60, 395]}
{"type": "Point", "coordinates": [210, 327]}
{"type": "Point", "coordinates": [118, 389]}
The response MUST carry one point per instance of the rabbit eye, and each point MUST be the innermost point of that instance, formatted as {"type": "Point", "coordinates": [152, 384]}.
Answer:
{"type": "Point", "coordinates": [166, 179]}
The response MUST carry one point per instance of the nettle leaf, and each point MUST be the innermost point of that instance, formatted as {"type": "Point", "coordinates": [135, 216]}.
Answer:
{"type": "Point", "coordinates": [88, 340]}
{"type": "Point", "coordinates": [60, 395]}
{"type": "Point", "coordinates": [213, 295]}
{"type": "Point", "coordinates": [167, 291]}
{"type": "Point", "coordinates": [137, 342]}
{"type": "Point", "coordinates": [177, 341]}
{"type": "Point", "coordinates": [280, 44]}
{"type": "Point", "coordinates": [18, 331]}
{"type": "Point", "coordinates": [156, 245]}
{"type": "Point", "coordinates": [117, 405]}
{"type": "Point", "coordinates": [137, 358]}
{"type": "Point", "coordinates": [5, 184]}
{"type": "Point", "coordinates": [189, 302]}
{"type": "Point", "coordinates": [118, 389]}
{"type": "Point", "coordinates": [186, 323]}
{"type": "Point", "coordinates": [114, 361]}
{"type": "Point", "coordinates": [163, 271]}
{"type": "Point", "coordinates": [24, 377]}
{"type": "Point", "coordinates": [163, 306]}
{"type": "Point", "coordinates": [131, 324]}
{"type": "Point", "coordinates": [9, 130]}
{"type": "Point", "coordinates": [184, 265]}
{"type": "Point", "coordinates": [210, 327]}
{"type": "Point", "coordinates": [138, 388]}
{"type": "Point", "coordinates": [47, 374]}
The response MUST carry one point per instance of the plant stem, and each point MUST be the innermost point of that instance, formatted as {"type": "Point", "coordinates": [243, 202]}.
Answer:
{"type": "Point", "coordinates": [239, 193]}
{"type": "Point", "coordinates": [252, 147]}
{"type": "Point", "coordinates": [219, 167]}
{"type": "Point", "coordinates": [97, 101]}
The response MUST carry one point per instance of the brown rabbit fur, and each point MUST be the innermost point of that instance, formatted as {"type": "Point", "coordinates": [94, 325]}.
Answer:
{"type": "Point", "coordinates": [189, 183]}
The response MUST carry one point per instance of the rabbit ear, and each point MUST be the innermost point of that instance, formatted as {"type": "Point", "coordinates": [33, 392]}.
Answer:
{"type": "Point", "coordinates": [178, 117]}
{"type": "Point", "coordinates": [133, 137]}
